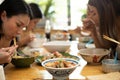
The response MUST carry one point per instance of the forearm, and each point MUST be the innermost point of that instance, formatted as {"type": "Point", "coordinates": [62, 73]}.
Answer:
{"type": "Point", "coordinates": [99, 43]}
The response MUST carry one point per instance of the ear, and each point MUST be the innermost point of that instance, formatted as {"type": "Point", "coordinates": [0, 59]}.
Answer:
{"type": "Point", "coordinates": [3, 16]}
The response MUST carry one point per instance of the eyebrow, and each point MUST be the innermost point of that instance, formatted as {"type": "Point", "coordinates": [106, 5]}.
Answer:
{"type": "Point", "coordinates": [21, 21]}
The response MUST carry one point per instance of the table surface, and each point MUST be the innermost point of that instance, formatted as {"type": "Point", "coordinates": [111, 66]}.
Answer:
{"type": "Point", "coordinates": [37, 72]}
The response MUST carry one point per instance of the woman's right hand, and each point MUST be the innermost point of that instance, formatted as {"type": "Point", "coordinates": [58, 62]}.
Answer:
{"type": "Point", "coordinates": [27, 38]}
{"type": "Point", "coordinates": [88, 25]}
{"type": "Point", "coordinates": [6, 54]}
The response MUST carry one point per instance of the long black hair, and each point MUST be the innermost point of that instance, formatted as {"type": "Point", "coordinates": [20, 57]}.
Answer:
{"type": "Point", "coordinates": [36, 11]}
{"type": "Point", "coordinates": [106, 14]}
{"type": "Point", "coordinates": [116, 5]}
{"type": "Point", "coordinates": [12, 8]}
{"type": "Point", "coordinates": [107, 18]}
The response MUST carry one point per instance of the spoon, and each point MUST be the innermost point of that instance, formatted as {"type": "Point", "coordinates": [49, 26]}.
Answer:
{"type": "Point", "coordinates": [115, 58]}
{"type": "Point", "coordinates": [90, 41]}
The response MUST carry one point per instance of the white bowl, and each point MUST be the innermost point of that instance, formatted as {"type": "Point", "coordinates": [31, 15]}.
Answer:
{"type": "Point", "coordinates": [90, 45]}
{"type": "Point", "coordinates": [108, 65]}
{"type": "Point", "coordinates": [37, 42]}
{"type": "Point", "coordinates": [60, 46]}
{"type": "Point", "coordinates": [60, 73]}
{"type": "Point", "coordinates": [81, 45]}
{"type": "Point", "coordinates": [94, 55]}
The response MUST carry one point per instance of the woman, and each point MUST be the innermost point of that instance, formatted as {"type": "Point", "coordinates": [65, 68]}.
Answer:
{"type": "Point", "coordinates": [27, 36]}
{"type": "Point", "coordinates": [14, 16]}
{"type": "Point", "coordinates": [102, 20]}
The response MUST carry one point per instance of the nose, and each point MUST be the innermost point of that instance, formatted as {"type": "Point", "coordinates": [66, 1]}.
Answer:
{"type": "Point", "coordinates": [19, 31]}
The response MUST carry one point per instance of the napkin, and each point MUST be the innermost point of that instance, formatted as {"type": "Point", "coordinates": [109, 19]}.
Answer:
{"type": "Point", "coordinates": [108, 76]}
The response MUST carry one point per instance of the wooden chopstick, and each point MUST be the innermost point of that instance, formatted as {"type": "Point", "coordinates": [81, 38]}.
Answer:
{"type": "Point", "coordinates": [15, 45]}
{"type": "Point", "coordinates": [14, 41]}
{"type": "Point", "coordinates": [110, 39]}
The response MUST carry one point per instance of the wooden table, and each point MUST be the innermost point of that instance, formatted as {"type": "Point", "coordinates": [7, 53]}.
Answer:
{"type": "Point", "coordinates": [37, 72]}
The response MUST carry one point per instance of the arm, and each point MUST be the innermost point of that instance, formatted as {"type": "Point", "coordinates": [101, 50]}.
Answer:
{"type": "Point", "coordinates": [95, 34]}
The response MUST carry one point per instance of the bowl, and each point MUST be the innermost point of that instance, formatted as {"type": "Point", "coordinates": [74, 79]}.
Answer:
{"type": "Point", "coordinates": [94, 55]}
{"type": "Point", "coordinates": [21, 62]}
{"type": "Point", "coordinates": [56, 69]}
{"type": "Point", "coordinates": [60, 46]}
{"type": "Point", "coordinates": [81, 45]}
{"type": "Point", "coordinates": [39, 59]}
{"type": "Point", "coordinates": [37, 42]}
{"type": "Point", "coordinates": [84, 39]}
{"type": "Point", "coordinates": [109, 65]}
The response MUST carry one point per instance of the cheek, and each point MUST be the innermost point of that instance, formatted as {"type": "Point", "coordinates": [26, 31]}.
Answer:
{"type": "Point", "coordinates": [11, 29]}
{"type": "Point", "coordinates": [97, 20]}
{"type": "Point", "coordinates": [32, 24]}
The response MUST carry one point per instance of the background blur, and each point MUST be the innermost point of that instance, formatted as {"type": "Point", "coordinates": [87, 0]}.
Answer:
{"type": "Point", "coordinates": [63, 14]}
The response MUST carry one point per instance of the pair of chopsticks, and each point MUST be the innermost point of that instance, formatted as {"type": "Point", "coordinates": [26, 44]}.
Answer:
{"type": "Point", "coordinates": [113, 40]}
{"type": "Point", "coordinates": [110, 39]}
{"type": "Point", "coordinates": [14, 40]}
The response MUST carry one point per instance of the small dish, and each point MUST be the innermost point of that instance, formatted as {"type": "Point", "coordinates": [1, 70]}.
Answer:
{"type": "Point", "coordinates": [109, 65]}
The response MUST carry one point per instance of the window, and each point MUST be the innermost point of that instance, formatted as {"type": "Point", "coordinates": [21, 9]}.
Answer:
{"type": "Point", "coordinates": [61, 7]}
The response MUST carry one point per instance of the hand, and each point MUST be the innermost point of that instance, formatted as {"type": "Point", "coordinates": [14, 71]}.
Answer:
{"type": "Point", "coordinates": [27, 38]}
{"type": "Point", "coordinates": [31, 37]}
{"type": "Point", "coordinates": [6, 54]}
{"type": "Point", "coordinates": [77, 30]}
{"type": "Point", "coordinates": [88, 24]}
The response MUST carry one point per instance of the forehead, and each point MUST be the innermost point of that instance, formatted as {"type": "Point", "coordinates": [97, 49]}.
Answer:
{"type": "Point", "coordinates": [36, 19]}
{"type": "Point", "coordinates": [24, 19]}
{"type": "Point", "coordinates": [91, 8]}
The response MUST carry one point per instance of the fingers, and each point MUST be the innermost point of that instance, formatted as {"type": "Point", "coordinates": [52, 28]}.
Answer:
{"type": "Point", "coordinates": [9, 50]}
{"type": "Point", "coordinates": [92, 21]}
{"type": "Point", "coordinates": [88, 24]}
{"type": "Point", "coordinates": [31, 37]}
{"type": "Point", "coordinates": [12, 49]}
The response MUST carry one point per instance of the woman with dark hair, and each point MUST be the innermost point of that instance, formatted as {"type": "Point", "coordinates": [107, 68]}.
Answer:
{"type": "Point", "coordinates": [27, 36]}
{"type": "Point", "coordinates": [14, 16]}
{"type": "Point", "coordinates": [37, 15]}
{"type": "Point", "coordinates": [102, 20]}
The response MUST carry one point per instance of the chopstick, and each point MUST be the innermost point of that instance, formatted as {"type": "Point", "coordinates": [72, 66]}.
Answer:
{"type": "Point", "coordinates": [15, 45]}
{"type": "Point", "coordinates": [14, 41]}
{"type": "Point", "coordinates": [110, 39]}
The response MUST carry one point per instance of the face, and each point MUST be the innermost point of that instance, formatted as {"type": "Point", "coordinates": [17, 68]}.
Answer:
{"type": "Point", "coordinates": [93, 14]}
{"type": "Point", "coordinates": [14, 25]}
{"type": "Point", "coordinates": [33, 23]}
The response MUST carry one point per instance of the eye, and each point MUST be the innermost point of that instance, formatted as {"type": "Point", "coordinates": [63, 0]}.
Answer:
{"type": "Point", "coordinates": [18, 25]}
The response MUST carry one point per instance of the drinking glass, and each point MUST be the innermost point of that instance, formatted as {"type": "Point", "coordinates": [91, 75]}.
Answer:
{"type": "Point", "coordinates": [2, 75]}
